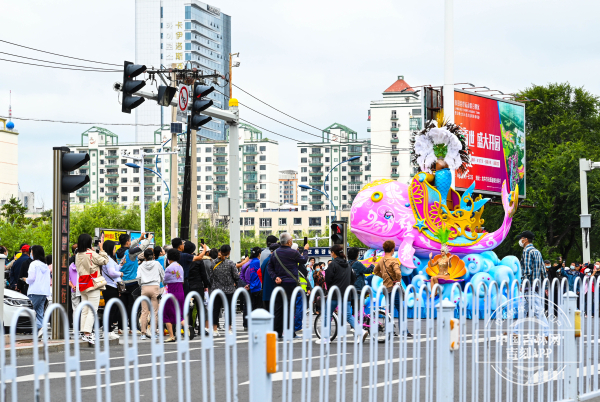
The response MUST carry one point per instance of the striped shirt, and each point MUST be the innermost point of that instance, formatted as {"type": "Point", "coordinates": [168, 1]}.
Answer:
{"type": "Point", "coordinates": [533, 264]}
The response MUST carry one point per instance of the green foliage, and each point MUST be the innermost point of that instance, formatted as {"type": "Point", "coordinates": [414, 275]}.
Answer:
{"type": "Point", "coordinates": [13, 211]}
{"type": "Point", "coordinates": [560, 131]}
{"type": "Point", "coordinates": [16, 228]}
{"type": "Point", "coordinates": [443, 234]}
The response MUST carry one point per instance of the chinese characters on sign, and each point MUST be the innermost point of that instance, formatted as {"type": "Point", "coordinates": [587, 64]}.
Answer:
{"type": "Point", "coordinates": [173, 44]}
{"type": "Point", "coordinates": [319, 251]}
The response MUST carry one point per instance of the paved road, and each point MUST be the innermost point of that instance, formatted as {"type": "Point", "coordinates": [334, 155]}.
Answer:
{"type": "Point", "coordinates": [319, 382]}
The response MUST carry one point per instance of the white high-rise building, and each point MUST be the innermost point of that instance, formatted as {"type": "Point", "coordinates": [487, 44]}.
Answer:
{"type": "Point", "coordinates": [288, 187]}
{"type": "Point", "coordinates": [187, 34]}
{"type": "Point", "coordinates": [315, 159]}
{"type": "Point", "coordinates": [393, 120]}
{"type": "Point", "coordinates": [112, 181]}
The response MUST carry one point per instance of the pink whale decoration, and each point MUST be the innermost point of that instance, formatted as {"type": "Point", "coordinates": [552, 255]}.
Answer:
{"type": "Point", "coordinates": [383, 210]}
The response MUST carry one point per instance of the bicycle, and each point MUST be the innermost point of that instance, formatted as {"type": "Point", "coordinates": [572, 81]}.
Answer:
{"type": "Point", "coordinates": [381, 323]}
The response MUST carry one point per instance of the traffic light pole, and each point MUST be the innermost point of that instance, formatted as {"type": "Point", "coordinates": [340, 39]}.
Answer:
{"type": "Point", "coordinates": [234, 169]}
{"type": "Point", "coordinates": [194, 189]}
{"type": "Point", "coordinates": [174, 172]}
{"type": "Point", "coordinates": [187, 191]}
{"type": "Point", "coordinates": [57, 325]}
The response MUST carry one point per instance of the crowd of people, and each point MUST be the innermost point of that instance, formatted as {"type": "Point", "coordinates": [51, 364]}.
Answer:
{"type": "Point", "coordinates": [130, 268]}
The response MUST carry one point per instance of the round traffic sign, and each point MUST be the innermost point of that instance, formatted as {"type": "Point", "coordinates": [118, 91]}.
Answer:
{"type": "Point", "coordinates": [183, 98]}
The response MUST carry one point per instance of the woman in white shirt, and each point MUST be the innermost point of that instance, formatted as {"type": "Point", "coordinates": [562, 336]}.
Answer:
{"type": "Point", "coordinates": [38, 279]}
{"type": "Point", "coordinates": [112, 273]}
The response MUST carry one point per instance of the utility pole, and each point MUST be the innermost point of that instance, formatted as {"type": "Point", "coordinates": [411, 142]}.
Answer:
{"type": "Point", "coordinates": [186, 198]}
{"type": "Point", "coordinates": [585, 165]}
{"type": "Point", "coordinates": [142, 194]}
{"type": "Point", "coordinates": [194, 192]}
{"type": "Point", "coordinates": [232, 64]}
{"type": "Point", "coordinates": [234, 165]}
{"type": "Point", "coordinates": [174, 172]}
{"type": "Point", "coordinates": [449, 60]}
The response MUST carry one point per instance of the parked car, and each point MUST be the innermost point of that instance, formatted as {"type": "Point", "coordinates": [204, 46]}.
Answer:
{"type": "Point", "coordinates": [12, 302]}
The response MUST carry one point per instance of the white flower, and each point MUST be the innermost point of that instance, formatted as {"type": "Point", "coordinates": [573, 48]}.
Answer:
{"type": "Point", "coordinates": [424, 148]}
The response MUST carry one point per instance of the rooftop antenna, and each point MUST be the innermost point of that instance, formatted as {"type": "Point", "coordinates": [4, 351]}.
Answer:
{"type": "Point", "coordinates": [9, 105]}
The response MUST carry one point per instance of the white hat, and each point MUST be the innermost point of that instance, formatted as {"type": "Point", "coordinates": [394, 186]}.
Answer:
{"type": "Point", "coordinates": [587, 271]}
{"type": "Point", "coordinates": [294, 246]}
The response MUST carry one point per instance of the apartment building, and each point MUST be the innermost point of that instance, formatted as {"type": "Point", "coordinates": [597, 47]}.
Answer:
{"type": "Point", "coordinates": [325, 168]}
{"type": "Point", "coordinates": [288, 187]}
{"type": "Point", "coordinates": [393, 119]}
{"type": "Point", "coordinates": [112, 181]}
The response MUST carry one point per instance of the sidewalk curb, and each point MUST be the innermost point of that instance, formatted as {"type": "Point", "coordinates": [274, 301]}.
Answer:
{"type": "Point", "coordinates": [58, 347]}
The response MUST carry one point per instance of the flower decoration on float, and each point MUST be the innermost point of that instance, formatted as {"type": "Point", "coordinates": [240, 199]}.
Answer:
{"type": "Point", "coordinates": [441, 143]}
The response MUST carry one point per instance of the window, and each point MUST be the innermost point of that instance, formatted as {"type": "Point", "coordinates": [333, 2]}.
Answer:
{"type": "Point", "coordinates": [199, 188]}
{"type": "Point", "coordinates": [198, 168]}
{"type": "Point", "coordinates": [208, 178]}
{"type": "Point", "coordinates": [393, 114]}
{"type": "Point", "coordinates": [123, 179]}
{"type": "Point", "coordinates": [136, 151]}
{"type": "Point", "coordinates": [314, 221]}
{"type": "Point", "coordinates": [263, 148]}
{"type": "Point", "coordinates": [263, 196]}
{"type": "Point", "coordinates": [208, 150]}
{"type": "Point", "coordinates": [335, 179]}
{"type": "Point", "coordinates": [297, 221]}
{"type": "Point", "coordinates": [101, 189]}
{"type": "Point", "coordinates": [136, 189]}
{"type": "Point", "coordinates": [343, 178]}
{"type": "Point", "coordinates": [343, 149]}
{"type": "Point", "coordinates": [136, 170]}
{"type": "Point", "coordinates": [343, 188]}
{"type": "Point", "coordinates": [344, 169]}
{"type": "Point", "coordinates": [263, 177]}
{"type": "Point", "coordinates": [366, 158]}
{"type": "Point", "coordinates": [303, 160]}
{"type": "Point", "coordinates": [303, 150]}
{"type": "Point", "coordinates": [263, 205]}
{"type": "Point", "coordinates": [208, 197]}
{"type": "Point", "coordinates": [326, 150]}
{"type": "Point", "coordinates": [248, 221]}
{"type": "Point", "coordinates": [101, 171]}
{"type": "Point", "coordinates": [344, 198]}
{"type": "Point", "coordinates": [136, 198]}
{"type": "Point", "coordinates": [265, 222]}
{"type": "Point", "coordinates": [304, 179]}
{"type": "Point", "coordinates": [335, 159]}
{"type": "Point", "coordinates": [263, 186]}
{"type": "Point", "coordinates": [335, 198]}
{"type": "Point", "coordinates": [136, 179]}
{"type": "Point", "coordinates": [303, 169]}
{"type": "Point", "coordinates": [124, 199]}
{"type": "Point", "coordinates": [209, 188]}
{"type": "Point", "coordinates": [101, 152]}
{"type": "Point", "coordinates": [263, 167]}
{"type": "Point", "coordinates": [123, 189]}
{"type": "Point", "coordinates": [327, 159]}
{"type": "Point", "coordinates": [199, 196]}
{"type": "Point", "coordinates": [304, 198]}
{"type": "Point", "coordinates": [208, 159]}
{"type": "Point", "coordinates": [208, 168]}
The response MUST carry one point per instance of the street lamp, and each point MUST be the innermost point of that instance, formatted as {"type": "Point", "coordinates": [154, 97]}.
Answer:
{"type": "Point", "coordinates": [304, 186]}
{"type": "Point", "coordinates": [233, 62]}
{"type": "Point", "coordinates": [142, 202]}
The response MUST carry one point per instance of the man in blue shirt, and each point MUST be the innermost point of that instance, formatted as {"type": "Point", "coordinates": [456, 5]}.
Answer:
{"type": "Point", "coordinates": [15, 270]}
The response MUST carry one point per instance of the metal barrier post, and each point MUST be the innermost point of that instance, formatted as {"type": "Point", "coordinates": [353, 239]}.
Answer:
{"type": "Point", "coordinates": [445, 353]}
{"type": "Point", "coordinates": [570, 371]}
{"type": "Point", "coordinates": [260, 379]}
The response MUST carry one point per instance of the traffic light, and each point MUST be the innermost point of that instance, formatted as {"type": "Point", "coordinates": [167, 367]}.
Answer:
{"type": "Point", "coordinates": [131, 86]}
{"type": "Point", "coordinates": [165, 95]}
{"type": "Point", "coordinates": [70, 162]}
{"type": "Point", "coordinates": [338, 234]}
{"type": "Point", "coordinates": [199, 105]}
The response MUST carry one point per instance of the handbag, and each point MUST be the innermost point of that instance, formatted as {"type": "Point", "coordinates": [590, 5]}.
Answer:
{"type": "Point", "coordinates": [99, 283]}
{"type": "Point", "coordinates": [388, 272]}
{"type": "Point", "coordinates": [121, 287]}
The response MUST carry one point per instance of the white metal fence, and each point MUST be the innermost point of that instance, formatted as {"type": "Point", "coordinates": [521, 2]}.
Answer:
{"type": "Point", "coordinates": [483, 343]}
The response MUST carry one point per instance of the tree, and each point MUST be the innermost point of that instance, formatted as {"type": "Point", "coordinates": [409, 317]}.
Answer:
{"type": "Point", "coordinates": [560, 131]}
{"type": "Point", "coordinates": [13, 211]}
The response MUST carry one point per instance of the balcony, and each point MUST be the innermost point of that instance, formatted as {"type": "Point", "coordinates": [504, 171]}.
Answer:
{"type": "Point", "coordinates": [352, 153]}
{"type": "Point", "coordinates": [318, 193]}
{"type": "Point", "coordinates": [395, 163]}
{"type": "Point", "coordinates": [111, 156]}
{"type": "Point", "coordinates": [353, 192]}
{"type": "Point", "coordinates": [111, 166]}
{"type": "Point", "coordinates": [217, 172]}
{"type": "Point", "coordinates": [394, 117]}
{"type": "Point", "coordinates": [250, 162]}
{"type": "Point", "coordinates": [316, 164]}
{"type": "Point", "coordinates": [250, 191]}
{"type": "Point", "coordinates": [220, 182]}
{"type": "Point", "coordinates": [220, 163]}
{"type": "Point", "coordinates": [250, 199]}
{"type": "Point", "coordinates": [395, 152]}
{"type": "Point", "coordinates": [149, 192]}
{"type": "Point", "coordinates": [112, 184]}
{"type": "Point", "coordinates": [355, 163]}
{"type": "Point", "coordinates": [395, 175]}
{"type": "Point", "coordinates": [112, 193]}
{"type": "Point", "coordinates": [250, 180]}
{"type": "Point", "coordinates": [355, 172]}
{"type": "Point", "coordinates": [218, 153]}
{"type": "Point", "coordinates": [316, 183]}
{"type": "Point", "coordinates": [111, 175]}
{"type": "Point", "coordinates": [251, 152]}
{"type": "Point", "coordinates": [395, 129]}
{"type": "Point", "coordinates": [223, 192]}
{"type": "Point", "coordinates": [414, 123]}
{"type": "Point", "coordinates": [316, 155]}
{"type": "Point", "coordinates": [355, 182]}
{"type": "Point", "coordinates": [394, 140]}
{"type": "Point", "coordinates": [316, 173]}
{"type": "Point", "coordinates": [317, 202]}
{"type": "Point", "coordinates": [148, 183]}
{"type": "Point", "coordinates": [83, 193]}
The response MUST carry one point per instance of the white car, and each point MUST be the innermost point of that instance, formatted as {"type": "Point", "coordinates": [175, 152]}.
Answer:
{"type": "Point", "coordinates": [12, 302]}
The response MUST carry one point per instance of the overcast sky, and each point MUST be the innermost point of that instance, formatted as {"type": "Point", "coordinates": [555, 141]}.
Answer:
{"type": "Point", "coordinates": [320, 61]}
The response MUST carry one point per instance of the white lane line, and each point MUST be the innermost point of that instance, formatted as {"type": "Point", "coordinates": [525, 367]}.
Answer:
{"type": "Point", "coordinates": [297, 375]}
{"type": "Point", "coordinates": [381, 384]}
{"type": "Point", "coordinates": [122, 383]}
{"type": "Point", "coordinates": [84, 373]}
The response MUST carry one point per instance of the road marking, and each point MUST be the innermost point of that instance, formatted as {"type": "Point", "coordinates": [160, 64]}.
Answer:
{"type": "Point", "coordinates": [122, 383]}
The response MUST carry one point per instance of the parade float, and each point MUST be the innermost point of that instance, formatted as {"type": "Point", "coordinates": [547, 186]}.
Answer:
{"type": "Point", "coordinates": [439, 234]}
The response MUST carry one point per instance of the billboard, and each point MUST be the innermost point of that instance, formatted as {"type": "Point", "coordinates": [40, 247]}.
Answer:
{"type": "Point", "coordinates": [496, 136]}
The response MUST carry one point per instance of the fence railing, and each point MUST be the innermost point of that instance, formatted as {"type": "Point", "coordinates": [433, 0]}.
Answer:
{"type": "Point", "coordinates": [485, 342]}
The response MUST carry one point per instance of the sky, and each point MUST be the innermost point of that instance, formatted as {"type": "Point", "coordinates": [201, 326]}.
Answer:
{"type": "Point", "coordinates": [319, 61]}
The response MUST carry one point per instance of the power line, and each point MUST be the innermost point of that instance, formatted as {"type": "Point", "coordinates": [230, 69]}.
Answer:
{"type": "Point", "coordinates": [80, 122]}
{"type": "Point", "coordinates": [64, 68]}
{"type": "Point", "coordinates": [54, 62]}
{"type": "Point", "coordinates": [60, 55]}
